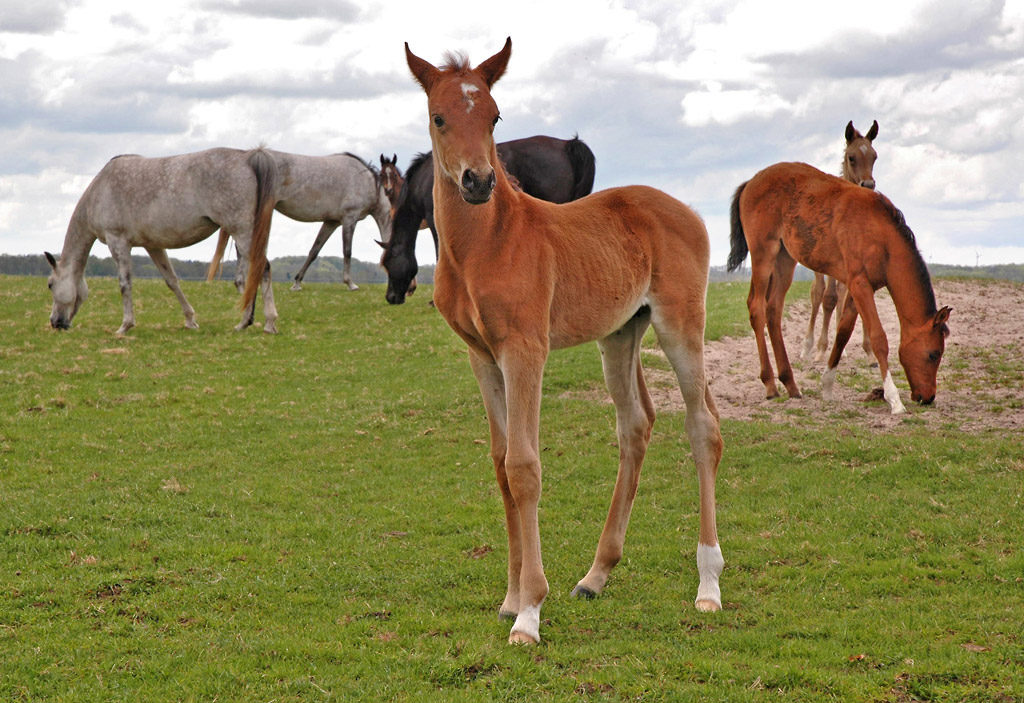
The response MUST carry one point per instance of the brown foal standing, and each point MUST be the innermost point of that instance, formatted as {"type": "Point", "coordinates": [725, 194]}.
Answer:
{"type": "Point", "coordinates": [517, 277]}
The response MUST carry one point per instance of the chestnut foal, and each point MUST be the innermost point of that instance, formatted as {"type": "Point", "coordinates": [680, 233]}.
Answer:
{"type": "Point", "coordinates": [517, 277]}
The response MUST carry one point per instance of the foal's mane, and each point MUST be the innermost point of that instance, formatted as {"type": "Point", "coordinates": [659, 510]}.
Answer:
{"type": "Point", "coordinates": [906, 234]}
{"type": "Point", "coordinates": [456, 62]}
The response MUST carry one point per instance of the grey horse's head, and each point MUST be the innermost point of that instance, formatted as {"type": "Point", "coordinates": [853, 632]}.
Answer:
{"type": "Point", "coordinates": [69, 292]}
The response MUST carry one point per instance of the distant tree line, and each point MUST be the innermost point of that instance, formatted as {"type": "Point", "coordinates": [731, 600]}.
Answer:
{"type": "Point", "coordinates": [324, 269]}
{"type": "Point", "coordinates": [328, 269]}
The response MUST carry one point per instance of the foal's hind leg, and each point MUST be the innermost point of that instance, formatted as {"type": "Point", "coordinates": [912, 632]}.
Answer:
{"type": "Point", "coordinates": [782, 278]}
{"type": "Point", "coordinates": [829, 300]}
{"type": "Point", "coordinates": [817, 291]}
{"type": "Point", "coordinates": [163, 264]}
{"type": "Point", "coordinates": [681, 337]}
{"type": "Point", "coordinates": [634, 417]}
{"type": "Point", "coordinates": [760, 283]}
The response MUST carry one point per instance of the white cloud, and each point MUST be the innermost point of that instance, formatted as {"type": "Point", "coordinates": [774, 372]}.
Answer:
{"type": "Point", "coordinates": [692, 97]}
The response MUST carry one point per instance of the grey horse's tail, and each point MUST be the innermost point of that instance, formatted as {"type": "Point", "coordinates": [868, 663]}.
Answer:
{"type": "Point", "coordinates": [265, 168]}
{"type": "Point", "coordinates": [583, 167]}
{"type": "Point", "coordinates": [737, 237]}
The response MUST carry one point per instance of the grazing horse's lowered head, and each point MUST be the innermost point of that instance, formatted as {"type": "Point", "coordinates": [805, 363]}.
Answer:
{"type": "Point", "coordinates": [69, 292]}
{"type": "Point", "coordinates": [859, 157]}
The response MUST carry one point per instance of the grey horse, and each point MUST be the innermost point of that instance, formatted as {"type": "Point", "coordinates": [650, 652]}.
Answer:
{"type": "Point", "coordinates": [338, 190]}
{"type": "Point", "coordinates": [159, 204]}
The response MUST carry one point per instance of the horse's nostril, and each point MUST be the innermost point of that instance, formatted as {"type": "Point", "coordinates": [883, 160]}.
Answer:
{"type": "Point", "coordinates": [468, 180]}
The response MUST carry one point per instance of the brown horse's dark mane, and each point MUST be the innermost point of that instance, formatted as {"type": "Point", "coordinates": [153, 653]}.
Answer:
{"type": "Point", "coordinates": [907, 235]}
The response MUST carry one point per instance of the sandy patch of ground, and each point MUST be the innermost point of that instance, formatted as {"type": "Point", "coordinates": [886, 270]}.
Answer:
{"type": "Point", "coordinates": [981, 377]}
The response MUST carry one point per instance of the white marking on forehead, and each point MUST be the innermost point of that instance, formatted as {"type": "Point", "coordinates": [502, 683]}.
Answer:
{"type": "Point", "coordinates": [468, 89]}
{"type": "Point", "coordinates": [863, 148]}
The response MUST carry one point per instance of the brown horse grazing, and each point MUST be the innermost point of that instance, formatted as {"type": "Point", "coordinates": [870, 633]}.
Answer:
{"type": "Point", "coordinates": [826, 292]}
{"type": "Point", "coordinates": [791, 213]}
{"type": "Point", "coordinates": [517, 277]}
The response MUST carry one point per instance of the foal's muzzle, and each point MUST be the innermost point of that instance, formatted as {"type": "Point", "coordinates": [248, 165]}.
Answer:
{"type": "Point", "coordinates": [477, 189]}
{"type": "Point", "coordinates": [60, 323]}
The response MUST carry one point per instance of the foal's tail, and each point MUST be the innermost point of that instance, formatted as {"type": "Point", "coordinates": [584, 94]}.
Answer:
{"type": "Point", "coordinates": [737, 237]}
{"type": "Point", "coordinates": [583, 167]}
{"type": "Point", "coordinates": [265, 168]}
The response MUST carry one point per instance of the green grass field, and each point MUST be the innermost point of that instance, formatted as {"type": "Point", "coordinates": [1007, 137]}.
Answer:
{"type": "Point", "coordinates": [312, 516]}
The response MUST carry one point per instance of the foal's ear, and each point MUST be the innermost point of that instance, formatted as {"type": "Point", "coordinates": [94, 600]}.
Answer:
{"type": "Point", "coordinates": [423, 71]}
{"type": "Point", "coordinates": [942, 316]}
{"type": "Point", "coordinates": [494, 68]}
{"type": "Point", "coordinates": [873, 132]}
{"type": "Point", "coordinates": [851, 133]}
{"type": "Point", "coordinates": [53, 261]}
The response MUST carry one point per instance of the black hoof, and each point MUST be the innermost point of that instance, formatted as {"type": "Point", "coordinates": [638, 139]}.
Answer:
{"type": "Point", "coordinates": [583, 592]}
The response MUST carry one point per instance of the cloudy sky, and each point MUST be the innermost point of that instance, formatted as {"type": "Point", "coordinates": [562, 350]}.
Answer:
{"type": "Point", "coordinates": [691, 97]}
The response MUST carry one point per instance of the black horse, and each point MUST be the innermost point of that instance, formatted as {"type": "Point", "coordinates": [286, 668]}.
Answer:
{"type": "Point", "coordinates": [556, 170]}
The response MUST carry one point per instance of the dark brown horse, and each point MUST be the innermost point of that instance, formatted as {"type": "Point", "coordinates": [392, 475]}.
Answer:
{"type": "Point", "coordinates": [791, 213]}
{"type": "Point", "coordinates": [858, 167]}
{"type": "Point", "coordinates": [556, 170]}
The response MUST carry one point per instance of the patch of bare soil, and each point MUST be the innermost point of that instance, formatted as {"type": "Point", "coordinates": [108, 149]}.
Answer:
{"type": "Point", "coordinates": [981, 377]}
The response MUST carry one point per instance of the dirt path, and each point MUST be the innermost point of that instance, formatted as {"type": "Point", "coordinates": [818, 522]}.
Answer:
{"type": "Point", "coordinates": [981, 378]}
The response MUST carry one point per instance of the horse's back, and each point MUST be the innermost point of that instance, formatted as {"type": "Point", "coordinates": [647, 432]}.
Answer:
{"type": "Point", "coordinates": [319, 188]}
{"type": "Point", "coordinates": [170, 201]}
{"type": "Point", "coordinates": [642, 213]}
{"type": "Point", "coordinates": [813, 213]}
{"type": "Point", "coordinates": [543, 166]}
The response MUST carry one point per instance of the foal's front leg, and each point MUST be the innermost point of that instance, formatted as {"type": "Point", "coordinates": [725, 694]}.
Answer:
{"type": "Point", "coordinates": [634, 418]}
{"type": "Point", "coordinates": [522, 371]}
{"type": "Point", "coordinates": [492, 388]}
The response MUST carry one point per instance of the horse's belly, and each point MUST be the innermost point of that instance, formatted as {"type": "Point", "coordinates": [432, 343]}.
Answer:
{"type": "Point", "coordinates": [161, 237]}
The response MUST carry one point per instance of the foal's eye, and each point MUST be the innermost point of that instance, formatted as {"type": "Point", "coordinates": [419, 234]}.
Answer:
{"type": "Point", "coordinates": [438, 121]}
{"type": "Point", "coordinates": [934, 356]}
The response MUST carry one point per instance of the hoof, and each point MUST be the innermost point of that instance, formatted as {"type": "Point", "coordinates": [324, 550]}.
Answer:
{"type": "Point", "coordinates": [296, 286]}
{"type": "Point", "coordinates": [521, 638]}
{"type": "Point", "coordinates": [708, 606]}
{"type": "Point", "coordinates": [582, 591]}
{"type": "Point", "coordinates": [270, 327]}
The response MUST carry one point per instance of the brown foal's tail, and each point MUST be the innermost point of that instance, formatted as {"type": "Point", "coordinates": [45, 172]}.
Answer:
{"type": "Point", "coordinates": [218, 256]}
{"type": "Point", "coordinates": [265, 168]}
{"type": "Point", "coordinates": [737, 238]}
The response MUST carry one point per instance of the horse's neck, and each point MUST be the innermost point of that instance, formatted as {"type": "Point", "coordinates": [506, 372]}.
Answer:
{"type": "Point", "coordinates": [77, 243]}
{"type": "Point", "coordinates": [381, 211]}
{"type": "Point", "coordinates": [462, 227]}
